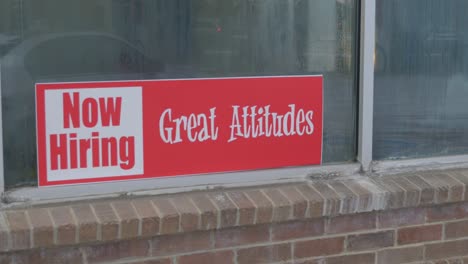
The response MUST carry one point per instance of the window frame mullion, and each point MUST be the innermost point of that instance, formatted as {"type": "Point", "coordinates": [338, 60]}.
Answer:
{"type": "Point", "coordinates": [366, 83]}
{"type": "Point", "coordinates": [2, 170]}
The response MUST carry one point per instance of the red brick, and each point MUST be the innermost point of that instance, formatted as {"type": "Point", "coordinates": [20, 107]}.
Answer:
{"type": "Point", "coordinates": [129, 222]}
{"type": "Point", "coordinates": [264, 254]}
{"type": "Point", "coordinates": [308, 261]}
{"type": "Point", "coordinates": [60, 256]}
{"type": "Point", "coordinates": [4, 234]}
{"type": "Point", "coordinates": [364, 195]}
{"type": "Point", "coordinates": [117, 251]}
{"type": "Point", "coordinates": [447, 188]}
{"type": "Point", "coordinates": [246, 207]}
{"type": "Point", "coordinates": [427, 191]}
{"type": "Point", "coordinates": [402, 217]}
{"type": "Point", "coordinates": [370, 241]}
{"type": "Point", "coordinates": [181, 243]}
{"type": "Point", "coordinates": [400, 255]}
{"type": "Point", "coordinates": [332, 201]}
{"type": "Point", "coordinates": [263, 205]}
{"type": "Point", "coordinates": [19, 229]}
{"type": "Point", "coordinates": [456, 188]}
{"type": "Point", "coordinates": [155, 261]}
{"type": "Point", "coordinates": [209, 213]}
{"type": "Point", "coordinates": [108, 221]}
{"type": "Point", "coordinates": [395, 194]}
{"type": "Point", "coordinates": [315, 202]}
{"type": "Point", "coordinates": [298, 201]}
{"type": "Point", "coordinates": [319, 247]}
{"type": "Point", "coordinates": [22, 257]}
{"type": "Point", "coordinates": [64, 224]}
{"type": "Point", "coordinates": [169, 216]}
{"type": "Point", "coordinates": [441, 191]}
{"type": "Point", "coordinates": [242, 236]}
{"type": "Point", "coordinates": [86, 222]}
{"type": "Point", "coordinates": [462, 176]}
{"type": "Point", "coordinates": [224, 257]}
{"type": "Point", "coordinates": [227, 209]}
{"type": "Point", "coordinates": [446, 249]}
{"type": "Point", "coordinates": [26, 257]}
{"type": "Point", "coordinates": [282, 209]}
{"type": "Point", "coordinates": [43, 230]}
{"type": "Point", "coordinates": [6, 259]}
{"type": "Point", "coordinates": [351, 223]}
{"type": "Point", "coordinates": [368, 258]}
{"type": "Point", "coordinates": [349, 200]}
{"type": "Point", "coordinates": [49, 256]}
{"type": "Point", "coordinates": [189, 215]}
{"type": "Point", "coordinates": [456, 229]}
{"type": "Point", "coordinates": [447, 212]}
{"type": "Point", "coordinates": [4, 241]}
{"type": "Point", "coordinates": [419, 234]}
{"type": "Point", "coordinates": [412, 192]}
{"type": "Point", "coordinates": [292, 230]}
{"type": "Point", "coordinates": [149, 218]}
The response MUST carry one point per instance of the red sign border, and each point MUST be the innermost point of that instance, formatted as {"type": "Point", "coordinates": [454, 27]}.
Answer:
{"type": "Point", "coordinates": [41, 125]}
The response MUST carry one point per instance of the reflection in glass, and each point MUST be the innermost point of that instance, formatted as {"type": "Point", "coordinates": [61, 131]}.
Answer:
{"type": "Point", "coordinates": [421, 79]}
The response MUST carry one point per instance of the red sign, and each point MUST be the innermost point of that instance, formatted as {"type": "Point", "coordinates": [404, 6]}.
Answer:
{"type": "Point", "coordinates": [108, 131]}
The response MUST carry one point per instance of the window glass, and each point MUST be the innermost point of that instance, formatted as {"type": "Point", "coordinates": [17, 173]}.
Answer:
{"type": "Point", "coordinates": [65, 41]}
{"type": "Point", "coordinates": [92, 54]}
{"type": "Point", "coordinates": [421, 79]}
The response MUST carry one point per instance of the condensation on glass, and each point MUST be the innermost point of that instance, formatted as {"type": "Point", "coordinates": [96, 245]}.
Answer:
{"type": "Point", "coordinates": [68, 40]}
{"type": "Point", "coordinates": [421, 79]}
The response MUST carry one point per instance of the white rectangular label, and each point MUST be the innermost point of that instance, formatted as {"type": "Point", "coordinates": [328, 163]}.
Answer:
{"type": "Point", "coordinates": [93, 133]}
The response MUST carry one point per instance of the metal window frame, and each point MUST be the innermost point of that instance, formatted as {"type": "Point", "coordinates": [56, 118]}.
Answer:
{"type": "Point", "coordinates": [156, 186]}
{"type": "Point", "coordinates": [366, 110]}
{"type": "Point", "coordinates": [364, 163]}
{"type": "Point", "coordinates": [366, 83]}
{"type": "Point", "coordinates": [2, 174]}
{"type": "Point", "coordinates": [248, 178]}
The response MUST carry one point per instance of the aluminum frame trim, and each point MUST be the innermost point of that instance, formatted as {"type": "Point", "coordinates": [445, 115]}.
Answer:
{"type": "Point", "coordinates": [157, 186]}
{"type": "Point", "coordinates": [2, 171]}
{"type": "Point", "coordinates": [366, 83]}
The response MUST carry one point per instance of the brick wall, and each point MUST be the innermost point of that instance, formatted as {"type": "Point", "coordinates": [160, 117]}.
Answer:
{"type": "Point", "coordinates": [408, 218]}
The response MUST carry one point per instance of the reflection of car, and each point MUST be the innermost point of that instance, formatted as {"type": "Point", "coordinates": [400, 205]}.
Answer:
{"type": "Point", "coordinates": [83, 56]}
{"type": "Point", "coordinates": [6, 42]}
{"type": "Point", "coordinates": [86, 56]}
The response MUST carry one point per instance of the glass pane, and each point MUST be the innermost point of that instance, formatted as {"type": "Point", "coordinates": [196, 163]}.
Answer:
{"type": "Point", "coordinates": [64, 40]}
{"type": "Point", "coordinates": [421, 78]}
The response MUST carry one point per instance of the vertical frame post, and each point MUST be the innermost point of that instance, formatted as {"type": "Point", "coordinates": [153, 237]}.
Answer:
{"type": "Point", "coordinates": [366, 82]}
{"type": "Point", "coordinates": [2, 174]}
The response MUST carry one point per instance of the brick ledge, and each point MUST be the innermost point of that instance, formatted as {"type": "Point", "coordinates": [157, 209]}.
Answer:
{"type": "Point", "coordinates": [123, 219]}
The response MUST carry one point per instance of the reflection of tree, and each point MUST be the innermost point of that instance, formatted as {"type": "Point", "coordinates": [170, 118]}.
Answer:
{"type": "Point", "coordinates": [161, 28]}
{"type": "Point", "coordinates": [18, 5]}
{"type": "Point", "coordinates": [242, 37]}
{"type": "Point", "coordinates": [345, 34]}
{"type": "Point", "coordinates": [11, 18]}
{"type": "Point", "coordinates": [422, 35]}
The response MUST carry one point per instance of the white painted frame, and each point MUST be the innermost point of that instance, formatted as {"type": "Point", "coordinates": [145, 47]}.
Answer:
{"type": "Point", "coordinates": [250, 178]}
